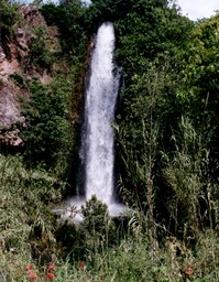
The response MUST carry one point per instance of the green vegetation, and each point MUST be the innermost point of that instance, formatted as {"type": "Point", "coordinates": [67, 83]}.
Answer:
{"type": "Point", "coordinates": [40, 55]}
{"type": "Point", "coordinates": [30, 238]}
{"type": "Point", "coordinates": [70, 20]}
{"type": "Point", "coordinates": [47, 132]}
{"type": "Point", "coordinates": [27, 225]}
{"type": "Point", "coordinates": [167, 151]}
{"type": "Point", "coordinates": [8, 17]}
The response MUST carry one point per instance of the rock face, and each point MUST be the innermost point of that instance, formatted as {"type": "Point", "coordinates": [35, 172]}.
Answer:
{"type": "Point", "coordinates": [15, 62]}
{"type": "Point", "coordinates": [9, 107]}
{"type": "Point", "coordinates": [10, 113]}
{"type": "Point", "coordinates": [32, 16]}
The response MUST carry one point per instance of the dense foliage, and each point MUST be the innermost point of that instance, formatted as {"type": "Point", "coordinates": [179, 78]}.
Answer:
{"type": "Point", "coordinates": [47, 131]}
{"type": "Point", "coordinates": [70, 20]}
{"type": "Point", "coordinates": [8, 17]}
{"type": "Point", "coordinates": [166, 145]}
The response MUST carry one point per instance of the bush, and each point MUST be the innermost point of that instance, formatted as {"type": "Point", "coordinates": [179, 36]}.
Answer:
{"type": "Point", "coordinates": [95, 234]}
{"type": "Point", "coordinates": [40, 55]}
{"type": "Point", "coordinates": [8, 16]}
{"type": "Point", "coordinates": [48, 132]}
{"type": "Point", "coordinates": [97, 225]}
{"type": "Point", "coordinates": [69, 18]}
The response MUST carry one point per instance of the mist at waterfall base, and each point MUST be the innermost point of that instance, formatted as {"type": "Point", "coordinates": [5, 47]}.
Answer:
{"type": "Point", "coordinates": [97, 146]}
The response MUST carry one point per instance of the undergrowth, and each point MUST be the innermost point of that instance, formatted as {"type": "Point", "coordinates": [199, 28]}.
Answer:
{"type": "Point", "coordinates": [26, 222]}
{"type": "Point", "coordinates": [29, 243]}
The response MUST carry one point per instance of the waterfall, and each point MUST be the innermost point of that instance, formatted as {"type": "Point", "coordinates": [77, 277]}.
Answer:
{"type": "Point", "coordinates": [101, 96]}
{"type": "Point", "coordinates": [97, 148]}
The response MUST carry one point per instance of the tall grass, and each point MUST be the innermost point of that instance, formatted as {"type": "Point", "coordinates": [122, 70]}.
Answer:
{"type": "Point", "coordinates": [193, 203]}
{"type": "Point", "coordinates": [25, 217]}
{"type": "Point", "coordinates": [28, 235]}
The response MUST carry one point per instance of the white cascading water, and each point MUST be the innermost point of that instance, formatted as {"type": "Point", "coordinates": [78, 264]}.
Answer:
{"type": "Point", "coordinates": [101, 96]}
{"type": "Point", "coordinates": [97, 149]}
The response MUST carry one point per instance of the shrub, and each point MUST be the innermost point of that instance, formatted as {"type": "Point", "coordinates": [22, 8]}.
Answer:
{"type": "Point", "coordinates": [40, 55]}
{"type": "Point", "coordinates": [48, 131]}
{"type": "Point", "coordinates": [8, 16]}
{"type": "Point", "coordinates": [97, 225]}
